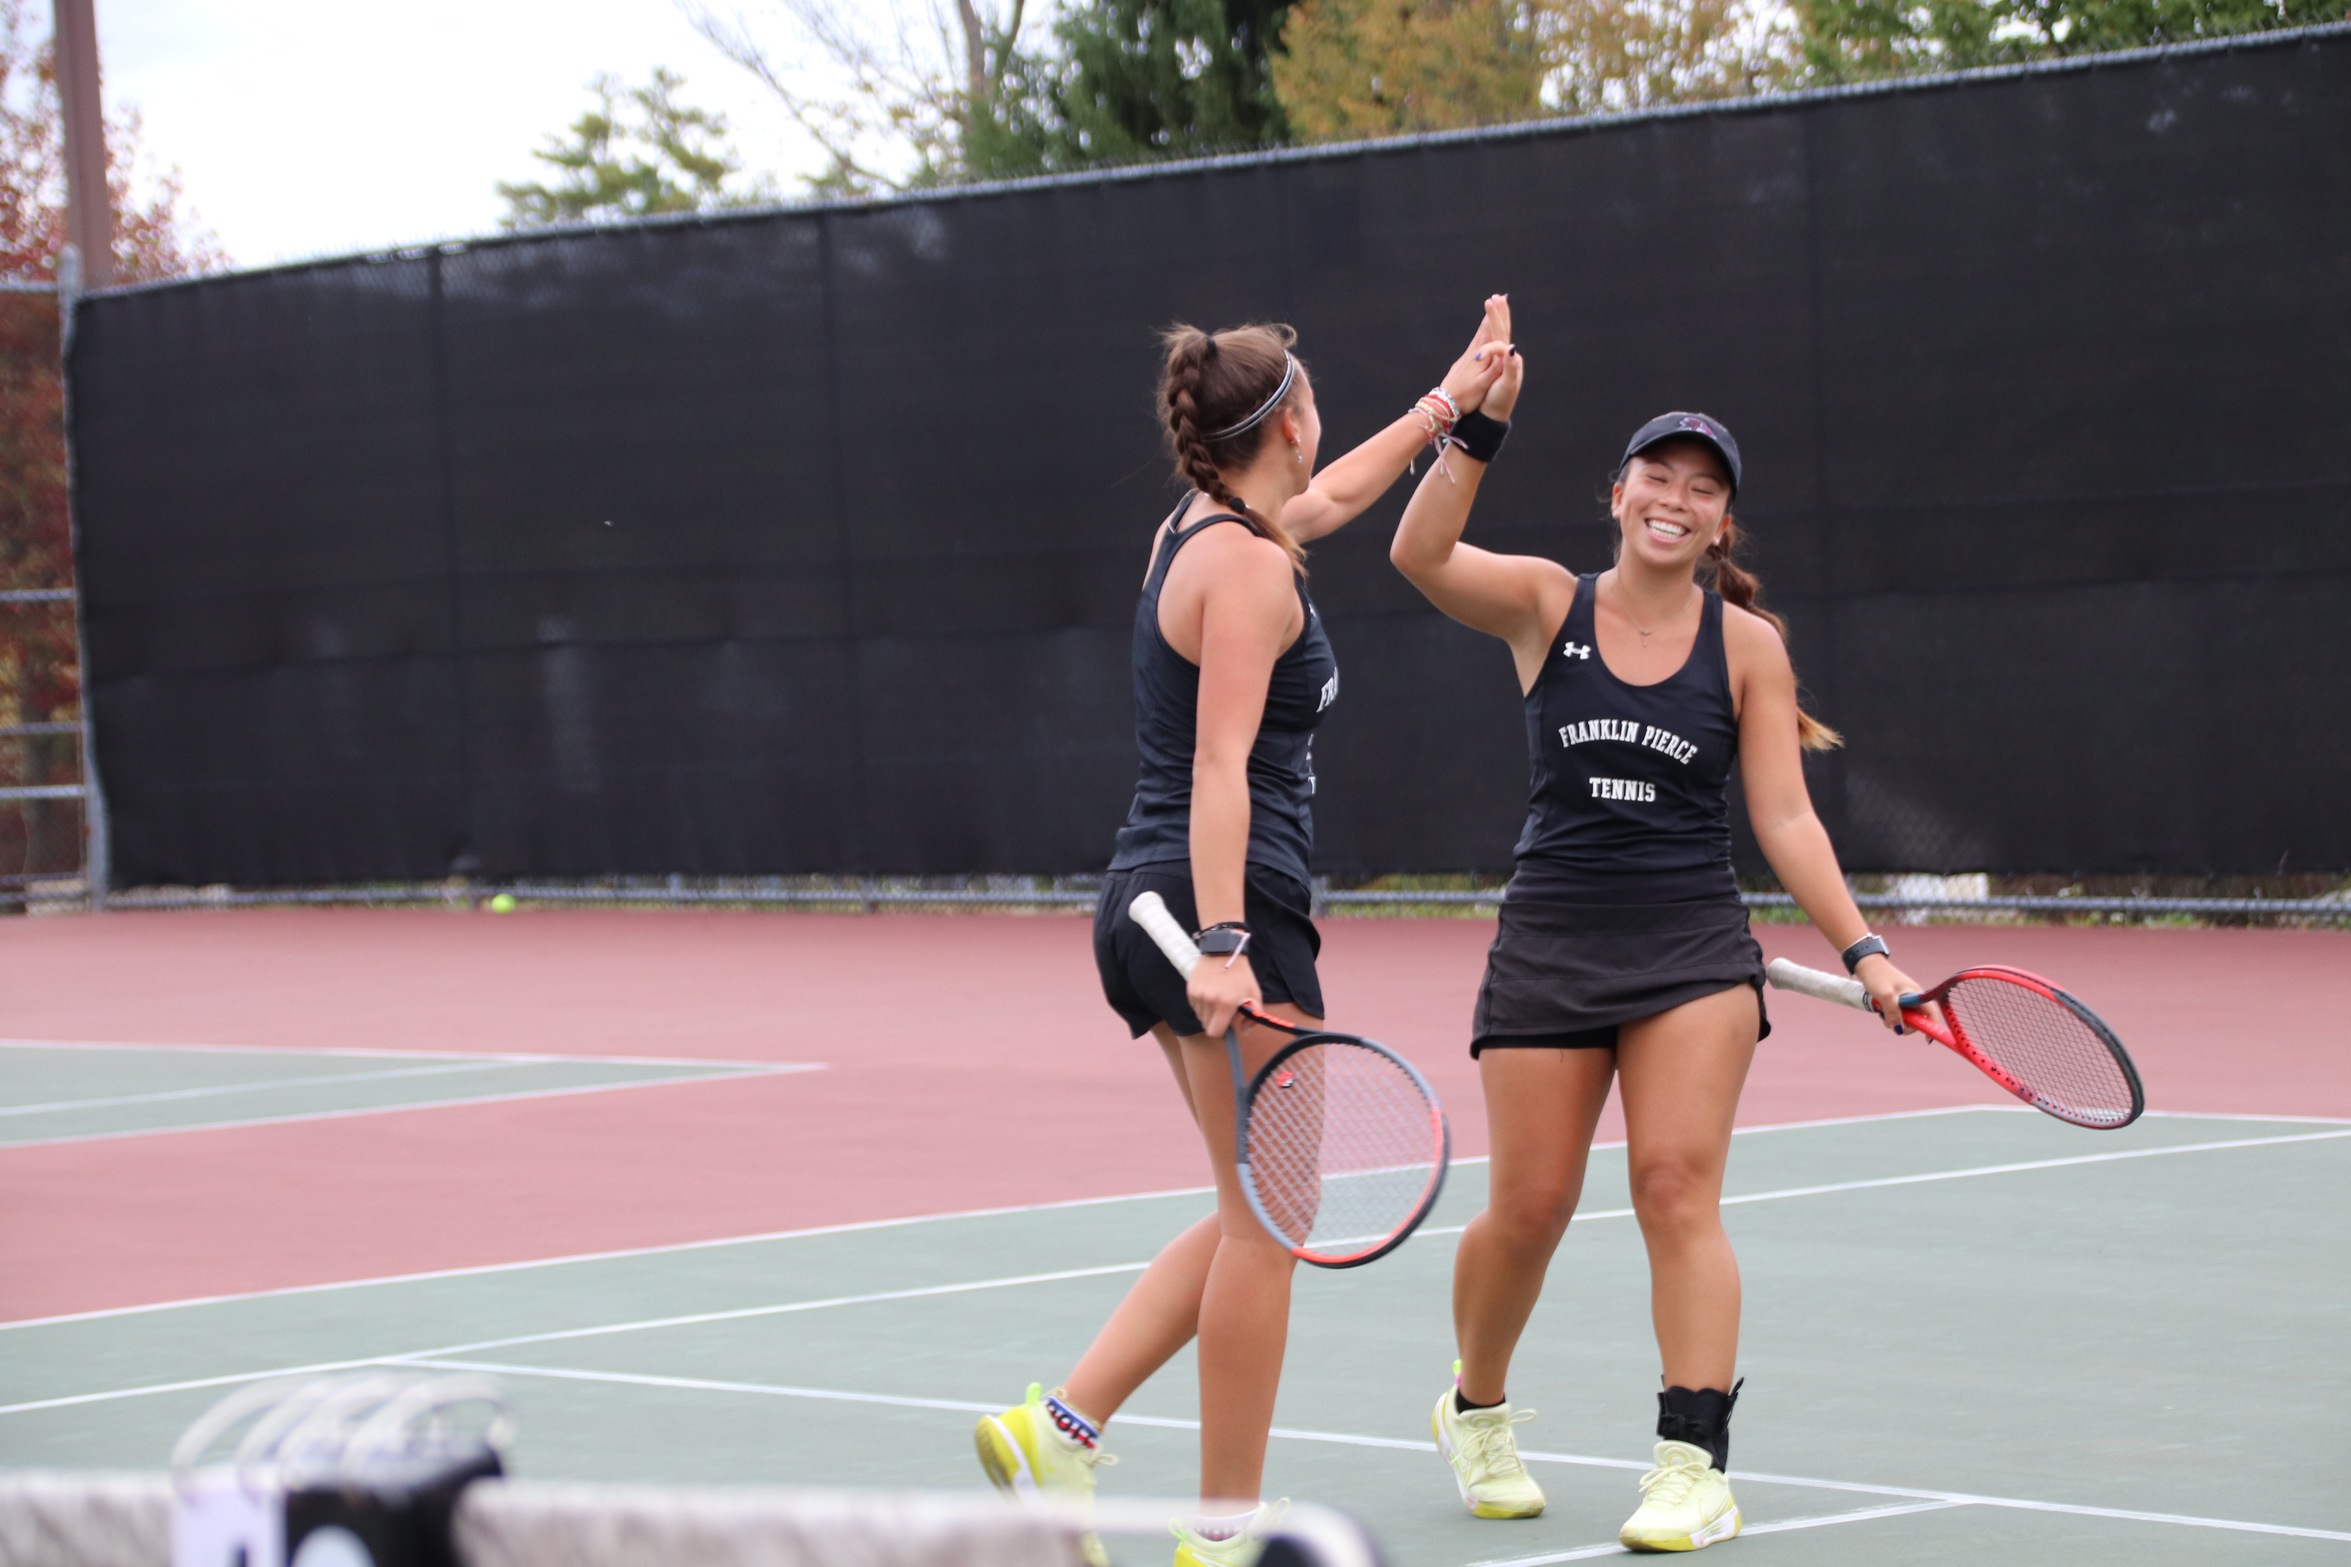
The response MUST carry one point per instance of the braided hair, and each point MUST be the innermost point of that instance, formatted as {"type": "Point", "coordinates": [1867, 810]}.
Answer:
{"type": "Point", "coordinates": [1211, 382]}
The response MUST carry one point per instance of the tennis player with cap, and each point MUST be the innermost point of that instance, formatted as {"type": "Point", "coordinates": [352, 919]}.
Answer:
{"type": "Point", "coordinates": [1623, 950]}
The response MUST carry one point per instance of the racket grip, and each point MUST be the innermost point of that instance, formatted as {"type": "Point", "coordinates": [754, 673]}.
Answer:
{"type": "Point", "coordinates": [1149, 910]}
{"type": "Point", "coordinates": [1812, 982]}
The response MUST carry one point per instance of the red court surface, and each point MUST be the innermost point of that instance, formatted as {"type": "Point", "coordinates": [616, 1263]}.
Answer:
{"type": "Point", "coordinates": [970, 1064]}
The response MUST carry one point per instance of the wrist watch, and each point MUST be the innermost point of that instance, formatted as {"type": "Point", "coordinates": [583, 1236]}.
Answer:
{"type": "Point", "coordinates": [1871, 945]}
{"type": "Point", "coordinates": [1222, 940]}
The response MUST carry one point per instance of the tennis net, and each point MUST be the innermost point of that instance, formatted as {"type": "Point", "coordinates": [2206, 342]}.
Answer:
{"type": "Point", "coordinates": [63, 1519]}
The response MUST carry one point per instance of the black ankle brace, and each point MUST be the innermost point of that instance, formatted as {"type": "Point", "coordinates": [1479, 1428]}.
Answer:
{"type": "Point", "coordinates": [1700, 1417]}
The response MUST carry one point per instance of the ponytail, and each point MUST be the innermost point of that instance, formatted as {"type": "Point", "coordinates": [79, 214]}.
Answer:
{"type": "Point", "coordinates": [1212, 382]}
{"type": "Point", "coordinates": [1739, 586]}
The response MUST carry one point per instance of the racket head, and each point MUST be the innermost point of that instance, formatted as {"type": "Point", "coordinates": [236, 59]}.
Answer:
{"type": "Point", "coordinates": [1343, 1149]}
{"type": "Point", "coordinates": [2039, 1043]}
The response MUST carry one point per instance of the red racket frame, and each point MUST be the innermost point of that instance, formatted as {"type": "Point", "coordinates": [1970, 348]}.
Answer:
{"type": "Point", "coordinates": [1955, 1039]}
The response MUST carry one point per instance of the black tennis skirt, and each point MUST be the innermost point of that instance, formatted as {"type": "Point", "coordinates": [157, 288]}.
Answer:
{"type": "Point", "coordinates": [1564, 975]}
{"type": "Point", "coordinates": [1144, 988]}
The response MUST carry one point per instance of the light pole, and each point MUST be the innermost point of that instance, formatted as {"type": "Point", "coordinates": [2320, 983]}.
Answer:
{"type": "Point", "coordinates": [89, 206]}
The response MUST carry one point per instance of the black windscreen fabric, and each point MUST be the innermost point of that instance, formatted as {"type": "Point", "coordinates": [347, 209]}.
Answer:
{"type": "Point", "coordinates": [808, 541]}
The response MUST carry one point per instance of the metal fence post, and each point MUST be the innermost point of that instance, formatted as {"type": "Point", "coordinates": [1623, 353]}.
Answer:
{"type": "Point", "coordinates": [97, 855]}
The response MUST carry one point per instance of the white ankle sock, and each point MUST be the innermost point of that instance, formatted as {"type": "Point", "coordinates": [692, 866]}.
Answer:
{"type": "Point", "coordinates": [1211, 1527]}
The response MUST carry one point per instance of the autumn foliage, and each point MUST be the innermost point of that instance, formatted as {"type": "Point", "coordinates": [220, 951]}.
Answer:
{"type": "Point", "coordinates": [39, 678]}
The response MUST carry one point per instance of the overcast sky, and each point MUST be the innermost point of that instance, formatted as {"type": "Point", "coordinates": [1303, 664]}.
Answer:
{"type": "Point", "coordinates": [312, 127]}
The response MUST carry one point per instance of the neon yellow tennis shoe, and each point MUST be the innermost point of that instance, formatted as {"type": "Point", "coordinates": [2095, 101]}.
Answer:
{"type": "Point", "coordinates": [1242, 1550]}
{"type": "Point", "coordinates": [1029, 1454]}
{"type": "Point", "coordinates": [1686, 1503]}
{"type": "Point", "coordinates": [1482, 1447]}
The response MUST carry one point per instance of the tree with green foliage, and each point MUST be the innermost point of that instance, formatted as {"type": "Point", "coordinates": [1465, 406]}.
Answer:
{"type": "Point", "coordinates": [639, 153]}
{"type": "Point", "coordinates": [1359, 68]}
{"type": "Point", "coordinates": [1851, 40]}
{"type": "Point", "coordinates": [1142, 79]}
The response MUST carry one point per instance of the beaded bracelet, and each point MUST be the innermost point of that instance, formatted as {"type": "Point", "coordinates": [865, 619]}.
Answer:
{"type": "Point", "coordinates": [1439, 413]}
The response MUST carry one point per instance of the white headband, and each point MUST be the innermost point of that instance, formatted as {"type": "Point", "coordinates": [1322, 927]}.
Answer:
{"type": "Point", "coordinates": [1289, 376]}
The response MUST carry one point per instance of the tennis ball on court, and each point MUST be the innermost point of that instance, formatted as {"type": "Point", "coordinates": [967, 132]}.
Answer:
{"type": "Point", "coordinates": [503, 903]}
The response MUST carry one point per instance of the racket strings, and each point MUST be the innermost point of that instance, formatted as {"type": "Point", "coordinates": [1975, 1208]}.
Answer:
{"type": "Point", "coordinates": [1342, 1146]}
{"type": "Point", "coordinates": [2058, 1055]}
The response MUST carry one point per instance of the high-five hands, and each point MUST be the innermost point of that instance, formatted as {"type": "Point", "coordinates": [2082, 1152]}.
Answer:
{"type": "Point", "coordinates": [1502, 396]}
{"type": "Point", "coordinates": [1484, 362]}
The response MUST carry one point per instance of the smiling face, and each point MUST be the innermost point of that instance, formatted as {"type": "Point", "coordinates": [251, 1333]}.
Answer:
{"type": "Point", "coordinates": [1669, 504]}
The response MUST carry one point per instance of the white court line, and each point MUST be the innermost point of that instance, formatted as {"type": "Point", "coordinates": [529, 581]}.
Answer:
{"type": "Point", "coordinates": [1777, 1526]}
{"type": "Point", "coordinates": [783, 1069]}
{"type": "Point", "coordinates": [605, 1330]}
{"type": "Point", "coordinates": [372, 1053]}
{"type": "Point", "coordinates": [620, 1254]}
{"type": "Point", "coordinates": [742, 1313]}
{"type": "Point", "coordinates": [2202, 1115]}
{"type": "Point", "coordinates": [627, 1253]}
{"type": "Point", "coordinates": [258, 1085]}
{"type": "Point", "coordinates": [1787, 1192]}
{"type": "Point", "coordinates": [1930, 1499]}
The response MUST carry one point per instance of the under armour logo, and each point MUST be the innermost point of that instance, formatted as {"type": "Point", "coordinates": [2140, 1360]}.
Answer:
{"type": "Point", "coordinates": [1573, 650]}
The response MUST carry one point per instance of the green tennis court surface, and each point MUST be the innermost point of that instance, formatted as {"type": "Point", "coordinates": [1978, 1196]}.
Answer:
{"type": "Point", "coordinates": [1974, 1335]}
{"type": "Point", "coordinates": [66, 1092]}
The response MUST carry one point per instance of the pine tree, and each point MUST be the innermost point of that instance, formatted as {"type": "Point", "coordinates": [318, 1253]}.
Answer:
{"type": "Point", "coordinates": [639, 153]}
{"type": "Point", "coordinates": [1139, 79]}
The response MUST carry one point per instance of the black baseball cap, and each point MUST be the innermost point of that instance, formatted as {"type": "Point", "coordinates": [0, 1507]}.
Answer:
{"type": "Point", "coordinates": [1696, 427]}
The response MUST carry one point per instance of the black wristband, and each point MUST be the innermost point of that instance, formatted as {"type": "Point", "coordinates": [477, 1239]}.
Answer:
{"type": "Point", "coordinates": [1480, 435]}
{"type": "Point", "coordinates": [1871, 945]}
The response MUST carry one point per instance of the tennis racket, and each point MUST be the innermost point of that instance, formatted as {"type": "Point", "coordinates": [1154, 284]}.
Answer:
{"type": "Point", "coordinates": [1341, 1146]}
{"type": "Point", "coordinates": [2016, 1028]}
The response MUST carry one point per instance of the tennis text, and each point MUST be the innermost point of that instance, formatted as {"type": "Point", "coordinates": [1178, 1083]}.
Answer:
{"type": "Point", "coordinates": [1623, 789]}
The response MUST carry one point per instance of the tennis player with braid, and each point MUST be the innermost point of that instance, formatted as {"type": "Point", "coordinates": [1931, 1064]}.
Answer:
{"type": "Point", "coordinates": [1232, 672]}
{"type": "Point", "coordinates": [1624, 950]}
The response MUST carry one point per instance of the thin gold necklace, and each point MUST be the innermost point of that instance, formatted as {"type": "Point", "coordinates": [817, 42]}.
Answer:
{"type": "Point", "coordinates": [1625, 603]}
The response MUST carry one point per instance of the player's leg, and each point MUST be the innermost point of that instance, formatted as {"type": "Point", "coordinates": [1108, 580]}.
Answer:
{"type": "Point", "coordinates": [1681, 1073]}
{"type": "Point", "coordinates": [1244, 1318]}
{"type": "Point", "coordinates": [1541, 1108]}
{"type": "Point", "coordinates": [1161, 1313]}
{"type": "Point", "coordinates": [1052, 1442]}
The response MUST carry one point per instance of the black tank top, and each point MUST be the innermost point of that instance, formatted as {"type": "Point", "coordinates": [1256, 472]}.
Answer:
{"type": "Point", "coordinates": [1281, 763]}
{"type": "Point", "coordinates": [1626, 801]}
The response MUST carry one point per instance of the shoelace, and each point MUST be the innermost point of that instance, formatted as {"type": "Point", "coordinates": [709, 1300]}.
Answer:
{"type": "Point", "coordinates": [1492, 1446]}
{"type": "Point", "coordinates": [1671, 1485]}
